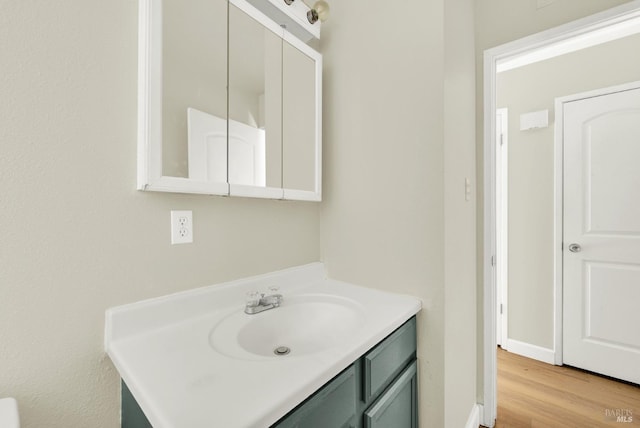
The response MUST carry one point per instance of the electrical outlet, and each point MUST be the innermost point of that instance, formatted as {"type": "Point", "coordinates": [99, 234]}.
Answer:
{"type": "Point", "coordinates": [181, 227]}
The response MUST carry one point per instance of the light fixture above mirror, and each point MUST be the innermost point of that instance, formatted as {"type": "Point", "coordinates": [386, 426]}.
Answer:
{"type": "Point", "coordinates": [295, 16]}
{"type": "Point", "coordinates": [319, 11]}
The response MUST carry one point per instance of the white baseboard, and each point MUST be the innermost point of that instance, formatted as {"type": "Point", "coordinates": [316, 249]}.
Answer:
{"type": "Point", "coordinates": [474, 417]}
{"type": "Point", "coordinates": [481, 416]}
{"type": "Point", "coordinates": [528, 350]}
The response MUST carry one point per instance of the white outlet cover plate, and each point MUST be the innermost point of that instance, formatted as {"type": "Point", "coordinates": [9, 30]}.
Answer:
{"type": "Point", "coordinates": [181, 227]}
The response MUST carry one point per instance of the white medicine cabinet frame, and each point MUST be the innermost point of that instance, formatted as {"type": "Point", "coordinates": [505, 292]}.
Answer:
{"type": "Point", "coordinates": [158, 171]}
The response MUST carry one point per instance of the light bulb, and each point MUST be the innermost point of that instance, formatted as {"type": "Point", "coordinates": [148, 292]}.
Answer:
{"type": "Point", "coordinates": [322, 8]}
{"type": "Point", "coordinates": [320, 11]}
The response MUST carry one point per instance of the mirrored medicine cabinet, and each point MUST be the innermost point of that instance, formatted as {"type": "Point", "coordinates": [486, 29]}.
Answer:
{"type": "Point", "coordinates": [229, 103]}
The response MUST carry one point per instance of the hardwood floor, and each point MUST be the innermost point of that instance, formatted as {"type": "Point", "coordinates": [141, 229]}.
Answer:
{"type": "Point", "coordinates": [538, 395]}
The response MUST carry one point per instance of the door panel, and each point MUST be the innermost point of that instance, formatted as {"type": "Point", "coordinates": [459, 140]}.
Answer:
{"type": "Point", "coordinates": [612, 155]}
{"type": "Point", "coordinates": [601, 284]}
{"type": "Point", "coordinates": [612, 295]}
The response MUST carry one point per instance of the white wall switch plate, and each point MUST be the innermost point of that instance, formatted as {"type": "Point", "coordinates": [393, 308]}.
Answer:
{"type": "Point", "coordinates": [467, 189]}
{"type": "Point", "coordinates": [181, 227]}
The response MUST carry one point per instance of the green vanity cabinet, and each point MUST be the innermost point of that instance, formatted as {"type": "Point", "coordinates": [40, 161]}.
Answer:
{"type": "Point", "coordinates": [132, 415]}
{"type": "Point", "coordinates": [379, 390]}
{"type": "Point", "coordinates": [390, 381]}
{"type": "Point", "coordinates": [334, 405]}
{"type": "Point", "coordinates": [386, 360]}
{"type": "Point", "coordinates": [397, 407]}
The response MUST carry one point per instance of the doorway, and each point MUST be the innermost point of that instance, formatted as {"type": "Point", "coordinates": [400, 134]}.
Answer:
{"type": "Point", "coordinates": [502, 56]}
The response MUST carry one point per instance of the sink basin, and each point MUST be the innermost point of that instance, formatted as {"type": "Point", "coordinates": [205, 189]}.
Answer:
{"type": "Point", "coordinates": [302, 325]}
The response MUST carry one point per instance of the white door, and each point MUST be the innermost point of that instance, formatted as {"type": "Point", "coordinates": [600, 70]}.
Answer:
{"type": "Point", "coordinates": [601, 242]}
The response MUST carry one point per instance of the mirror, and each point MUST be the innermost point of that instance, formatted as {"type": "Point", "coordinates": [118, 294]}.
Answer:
{"type": "Point", "coordinates": [255, 99]}
{"type": "Point", "coordinates": [194, 75]}
{"type": "Point", "coordinates": [300, 117]}
{"type": "Point", "coordinates": [229, 102]}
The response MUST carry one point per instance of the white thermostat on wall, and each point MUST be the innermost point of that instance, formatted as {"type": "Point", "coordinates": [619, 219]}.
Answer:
{"type": "Point", "coordinates": [534, 119]}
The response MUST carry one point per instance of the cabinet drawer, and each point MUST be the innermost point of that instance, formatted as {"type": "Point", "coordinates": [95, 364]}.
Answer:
{"type": "Point", "coordinates": [397, 406]}
{"type": "Point", "coordinates": [333, 406]}
{"type": "Point", "coordinates": [385, 361]}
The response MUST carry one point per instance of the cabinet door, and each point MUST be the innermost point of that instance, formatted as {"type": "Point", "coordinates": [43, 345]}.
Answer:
{"type": "Point", "coordinates": [192, 74]}
{"type": "Point", "coordinates": [301, 145]}
{"type": "Point", "coordinates": [397, 407]}
{"type": "Point", "coordinates": [385, 362]}
{"type": "Point", "coordinates": [132, 415]}
{"type": "Point", "coordinates": [255, 104]}
{"type": "Point", "coordinates": [333, 406]}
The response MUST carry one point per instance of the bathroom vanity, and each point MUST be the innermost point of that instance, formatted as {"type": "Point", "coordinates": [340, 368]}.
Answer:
{"type": "Point", "coordinates": [379, 390]}
{"type": "Point", "coordinates": [195, 359]}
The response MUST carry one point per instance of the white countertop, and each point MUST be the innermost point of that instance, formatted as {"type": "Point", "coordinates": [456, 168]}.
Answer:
{"type": "Point", "coordinates": [162, 351]}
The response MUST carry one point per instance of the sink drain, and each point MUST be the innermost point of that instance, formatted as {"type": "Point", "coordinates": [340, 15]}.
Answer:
{"type": "Point", "coordinates": [282, 350]}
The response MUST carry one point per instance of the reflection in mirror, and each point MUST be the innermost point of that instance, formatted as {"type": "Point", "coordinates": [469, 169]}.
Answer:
{"type": "Point", "coordinates": [299, 104]}
{"type": "Point", "coordinates": [255, 99]}
{"type": "Point", "coordinates": [194, 87]}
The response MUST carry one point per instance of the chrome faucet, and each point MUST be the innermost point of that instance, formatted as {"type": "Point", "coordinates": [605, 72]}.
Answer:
{"type": "Point", "coordinates": [259, 302]}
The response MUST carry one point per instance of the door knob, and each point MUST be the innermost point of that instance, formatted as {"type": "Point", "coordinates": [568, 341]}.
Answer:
{"type": "Point", "coordinates": [575, 248]}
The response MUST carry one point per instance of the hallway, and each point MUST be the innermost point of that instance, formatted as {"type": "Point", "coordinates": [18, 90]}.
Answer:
{"type": "Point", "coordinates": [538, 395]}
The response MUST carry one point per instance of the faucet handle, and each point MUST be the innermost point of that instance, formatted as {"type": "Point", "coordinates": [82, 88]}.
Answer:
{"type": "Point", "coordinates": [273, 297]}
{"type": "Point", "coordinates": [253, 298]}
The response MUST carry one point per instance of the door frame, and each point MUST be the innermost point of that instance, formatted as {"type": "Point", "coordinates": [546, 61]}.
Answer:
{"type": "Point", "coordinates": [502, 227]}
{"type": "Point", "coordinates": [609, 19]}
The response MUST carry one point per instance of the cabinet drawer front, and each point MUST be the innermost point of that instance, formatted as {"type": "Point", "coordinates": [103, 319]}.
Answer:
{"type": "Point", "coordinates": [333, 406]}
{"type": "Point", "coordinates": [387, 359]}
{"type": "Point", "coordinates": [397, 407]}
